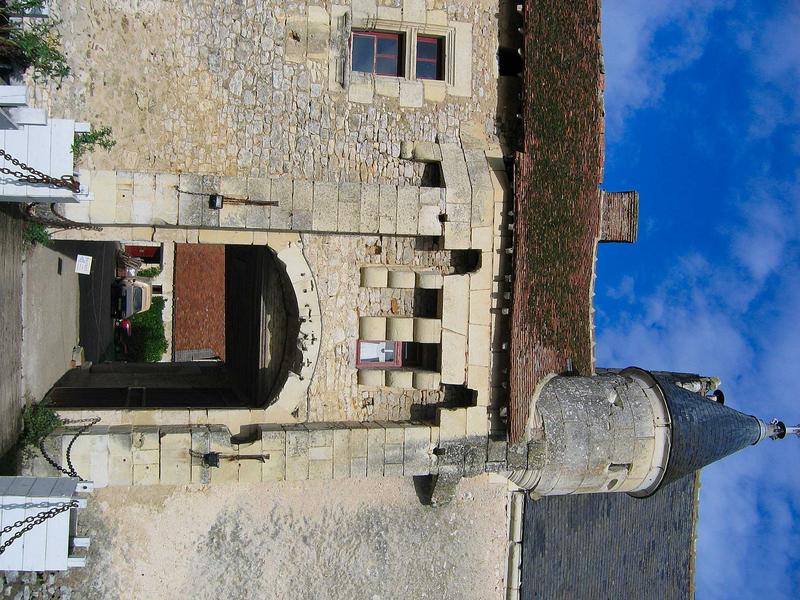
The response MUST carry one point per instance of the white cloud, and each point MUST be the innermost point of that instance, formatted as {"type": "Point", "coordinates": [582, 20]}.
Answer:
{"type": "Point", "coordinates": [749, 502]}
{"type": "Point", "coordinates": [635, 72]}
{"type": "Point", "coordinates": [775, 48]}
{"type": "Point", "coordinates": [748, 538]}
{"type": "Point", "coordinates": [772, 220]}
{"type": "Point", "coordinates": [625, 290]}
{"type": "Point", "coordinates": [734, 311]}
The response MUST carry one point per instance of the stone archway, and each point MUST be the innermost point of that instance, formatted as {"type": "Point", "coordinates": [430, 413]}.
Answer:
{"type": "Point", "coordinates": [273, 329]}
{"type": "Point", "coordinates": [289, 250]}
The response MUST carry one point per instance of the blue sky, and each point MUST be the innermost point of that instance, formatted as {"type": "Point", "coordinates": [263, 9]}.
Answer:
{"type": "Point", "coordinates": [703, 119]}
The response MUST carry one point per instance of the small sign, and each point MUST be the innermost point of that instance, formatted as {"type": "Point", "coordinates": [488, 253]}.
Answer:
{"type": "Point", "coordinates": [83, 264]}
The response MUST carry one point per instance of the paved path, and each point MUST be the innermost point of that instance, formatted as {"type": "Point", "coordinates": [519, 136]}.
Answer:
{"type": "Point", "coordinates": [96, 324]}
{"type": "Point", "coordinates": [10, 325]}
{"type": "Point", "coordinates": [50, 313]}
{"type": "Point", "coordinates": [62, 309]}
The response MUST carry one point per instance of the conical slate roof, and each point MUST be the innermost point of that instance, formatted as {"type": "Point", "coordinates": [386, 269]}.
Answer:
{"type": "Point", "coordinates": [703, 431]}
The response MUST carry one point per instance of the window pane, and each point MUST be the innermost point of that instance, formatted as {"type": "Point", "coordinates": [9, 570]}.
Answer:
{"type": "Point", "coordinates": [138, 301]}
{"type": "Point", "coordinates": [427, 49]}
{"type": "Point", "coordinates": [389, 45]}
{"type": "Point", "coordinates": [387, 66]}
{"type": "Point", "coordinates": [363, 53]}
{"type": "Point", "coordinates": [426, 70]}
{"type": "Point", "coordinates": [376, 352]}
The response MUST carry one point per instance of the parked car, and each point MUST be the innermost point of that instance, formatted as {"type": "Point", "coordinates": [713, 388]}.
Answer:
{"type": "Point", "coordinates": [122, 333]}
{"type": "Point", "coordinates": [129, 297]}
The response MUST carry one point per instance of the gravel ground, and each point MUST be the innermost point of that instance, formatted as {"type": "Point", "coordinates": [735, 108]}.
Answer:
{"type": "Point", "coordinates": [347, 539]}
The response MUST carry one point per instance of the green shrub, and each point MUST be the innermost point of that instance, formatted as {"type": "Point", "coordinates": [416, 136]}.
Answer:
{"type": "Point", "coordinates": [19, 8]}
{"type": "Point", "coordinates": [85, 142]}
{"type": "Point", "coordinates": [37, 45]}
{"type": "Point", "coordinates": [149, 272]}
{"type": "Point", "coordinates": [38, 421]}
{"type": "Point", "coordinates": [148, 342]}
{"type": "Point", "coordinates": [36, 233]}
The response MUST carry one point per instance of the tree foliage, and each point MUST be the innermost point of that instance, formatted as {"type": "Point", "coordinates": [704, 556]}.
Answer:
{"type": "Point", "coordinates": [34, 43]}
{"type": "Point", "coordinates": [149, 272]}
{"type": "Point", "coordinates": [148, 342]}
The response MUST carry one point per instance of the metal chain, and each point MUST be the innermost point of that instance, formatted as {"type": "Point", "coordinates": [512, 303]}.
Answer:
{"type": "Point", "coordinates": [70, 471]}
{"type": "Point", "coordinates": [33, 521]}
{"type": "Point", "coordinates": [68, 182]}
{"type": "Point", "coordinates": [54, 218]}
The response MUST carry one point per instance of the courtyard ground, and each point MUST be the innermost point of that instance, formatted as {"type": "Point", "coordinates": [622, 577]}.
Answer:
{"type": "Point", "coordinates": [315, 540]}
{"type": "Point", "coordinates": [50, 304]}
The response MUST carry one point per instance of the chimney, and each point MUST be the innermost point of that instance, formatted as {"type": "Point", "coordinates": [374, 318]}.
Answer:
{"type": "Point", "coordinates": [619, 216]}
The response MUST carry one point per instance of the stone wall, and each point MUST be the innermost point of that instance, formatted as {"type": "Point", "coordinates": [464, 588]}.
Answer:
{"type": "Point", "coordinates": [173, 454]}
{"type": "Point", "coordinates": [606, 433]}
{"type": "Point", "coordinates": [336, 262]}
{"type": "Point", "coordinates": [219, 87]}
{"type": "Point", "coordinates": [243, 100]}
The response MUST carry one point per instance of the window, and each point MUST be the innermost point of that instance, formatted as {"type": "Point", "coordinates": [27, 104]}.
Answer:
{"type": "Point", "coordinates": [378, 354]}
{"type": "Point", "coordinates": [429, 58]}
{"type": "Point", "coordinates": [378, 52]}
{"type": "Point", "coordinates": [138, 300]}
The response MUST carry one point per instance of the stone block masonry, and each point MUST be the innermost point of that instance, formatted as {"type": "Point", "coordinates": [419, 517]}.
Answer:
{"type": "Point", "coordinates": [246, 89]}
{"type": "Point", "coordinates": [337, 261]}
{"type": "Point", "coordinates": [125, 455]}
{"type": "Point", "coordinates": [148, 455]}
{"type": "Point", "coordinates": [166, 200]}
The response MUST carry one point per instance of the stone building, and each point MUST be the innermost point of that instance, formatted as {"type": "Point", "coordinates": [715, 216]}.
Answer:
{"type": "Point", "coordinates": [409, 266]}
{"type": "Point", "coordinates": [361, 155]}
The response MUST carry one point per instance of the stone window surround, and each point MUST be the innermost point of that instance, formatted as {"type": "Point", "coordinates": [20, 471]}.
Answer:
{"type": "Point", "coordinates": [412, 92]}
{"type": "Point", "coordinates": [409, 32]}
{"type": "Point", "coordinates": [395, 363]}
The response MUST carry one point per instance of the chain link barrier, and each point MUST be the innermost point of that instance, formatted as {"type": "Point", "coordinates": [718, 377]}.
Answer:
{"type": "Point", "coordinates": [47, 214]}
{"type": "Point", "coordinates": [67, 182]}
{"type": "Point", "coordinates": [29, 523]}
{"type": "Point", "coordinates": [70, 470]}
{"type": "Point", "coordinates": [32, 210]}
{"type": "Point", "coordinates": [32, 521]}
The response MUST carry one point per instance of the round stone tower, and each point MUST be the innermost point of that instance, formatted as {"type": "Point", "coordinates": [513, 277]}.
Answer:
{"type": "Point", "coordinates": [631, 431]}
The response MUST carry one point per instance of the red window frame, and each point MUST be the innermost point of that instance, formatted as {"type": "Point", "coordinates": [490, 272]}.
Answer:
{"type": "Point", "coordinates": [438, 62]}
{"type": "Point", "coordinates": [394, 364]}
{"type": "Point", "coordinates": [376, 35]}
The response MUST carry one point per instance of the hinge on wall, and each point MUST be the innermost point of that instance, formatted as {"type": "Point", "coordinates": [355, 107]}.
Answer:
{"type": "Point", "coordinates": [342, 43]}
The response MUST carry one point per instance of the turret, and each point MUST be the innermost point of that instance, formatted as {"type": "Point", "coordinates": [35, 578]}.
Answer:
{"type": "Point", "coordinates": [631, 431]}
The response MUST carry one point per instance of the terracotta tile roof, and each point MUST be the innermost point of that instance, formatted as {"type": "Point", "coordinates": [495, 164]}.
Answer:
{"type": "Point", "coordinates": [557, 199]}
{"type": "Point", "coordinates": [200, 298]}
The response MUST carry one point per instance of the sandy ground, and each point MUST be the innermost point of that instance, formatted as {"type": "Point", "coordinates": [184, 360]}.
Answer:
{"type": "Point", "coordinates": [50, 315]}
{"type": "Point", "coordinates": [344, 540]}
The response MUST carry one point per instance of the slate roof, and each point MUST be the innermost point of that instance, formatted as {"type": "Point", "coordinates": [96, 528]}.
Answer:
{"type": "Point", "coordinates": [703, 431]}
{"type": "Point", "coordinates": [599, 546]}
{"type": "Point", "coordinates": [557, 200]}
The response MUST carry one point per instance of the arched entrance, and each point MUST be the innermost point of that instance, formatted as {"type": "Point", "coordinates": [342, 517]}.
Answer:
{"type": "Point", "coordinates": [259, 352]}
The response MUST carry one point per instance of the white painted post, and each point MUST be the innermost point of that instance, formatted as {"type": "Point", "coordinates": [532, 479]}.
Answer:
{"type": "Point", "coordinates": [46, 546]}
